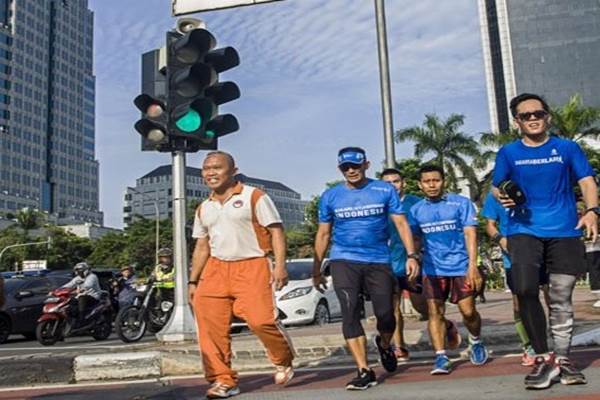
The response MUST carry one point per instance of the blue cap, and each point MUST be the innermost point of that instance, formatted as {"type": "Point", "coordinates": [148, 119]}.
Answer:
{"type": "Point", "coordinates": [351, 157]}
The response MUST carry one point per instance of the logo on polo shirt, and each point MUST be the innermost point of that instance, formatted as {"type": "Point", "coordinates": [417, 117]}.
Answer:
{"type": "Point", "coordinates": [554, 152]}
{"type": "Point", "coordinates": [238, 203]}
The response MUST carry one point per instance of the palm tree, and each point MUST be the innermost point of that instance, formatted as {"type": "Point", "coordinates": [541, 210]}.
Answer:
{"type": "Point", "coordinates": [448, 146]}
{"type": "Point", "coordinates": [28, 219]}
{"type": "Point", "coordinates": [575, 121]}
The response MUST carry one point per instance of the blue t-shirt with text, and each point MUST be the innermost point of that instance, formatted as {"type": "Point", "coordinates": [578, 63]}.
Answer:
{"type": "Point", "coordinates": [397, 250]}
{"type": "Point", "coordinates": [440, 224]}
{"type": "Point", "coordinates": [492, 209]}
{"type": "Point", "coordinates": [359, 219]}
{"type": "Point", "coordinates": [546, 174]}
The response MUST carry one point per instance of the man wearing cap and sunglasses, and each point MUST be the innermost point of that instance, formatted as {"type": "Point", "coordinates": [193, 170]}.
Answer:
{"type": "Point", "coordinates": [544, 231]}
{"type": "Point", "coordinates": [354, 215]}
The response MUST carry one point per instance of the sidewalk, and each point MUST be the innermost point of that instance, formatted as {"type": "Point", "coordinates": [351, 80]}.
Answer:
{"type": "Point", "coordinates": [314, 346]}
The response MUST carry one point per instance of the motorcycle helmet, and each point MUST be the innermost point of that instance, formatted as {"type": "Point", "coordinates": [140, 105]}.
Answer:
{"type": "Point", "coordinates": [165, 252]}
{"type": "Point", "coordinates": [82, 269]}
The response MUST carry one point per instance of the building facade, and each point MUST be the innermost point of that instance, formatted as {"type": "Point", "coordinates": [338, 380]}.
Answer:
{"type": "Point", "coordinates": [547, 47]}
{"type": "Point", "coordinates": [152, 195]}
{"type": "Point", "coordinates": [47, 110]}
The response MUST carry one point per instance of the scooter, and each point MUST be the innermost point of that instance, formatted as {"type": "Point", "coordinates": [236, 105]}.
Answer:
{"type": "Point", "coordinates": [58, 319]}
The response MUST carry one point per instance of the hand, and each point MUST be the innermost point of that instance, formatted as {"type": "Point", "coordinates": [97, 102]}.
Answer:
{"type": "Point", "coordinates": [474, 278]}
{"type": "Point", "coordinates": [506, 201]}
{"type": "Point", "coordinates": [503, 243]}
{"type": "Point", "coordinates": [279, 277]}
{"type": "Point", "coordinates": [320, 283]}
{"type": "Point", "coordinates": [412, 269]}
{"type": "Point", "coordinates": [589, 220]}
{"type": "Point", "coordinates": [191, 291]}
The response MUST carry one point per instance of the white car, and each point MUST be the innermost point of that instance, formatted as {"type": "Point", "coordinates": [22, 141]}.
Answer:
{"type": "Point", "coordinates": [299, 302]}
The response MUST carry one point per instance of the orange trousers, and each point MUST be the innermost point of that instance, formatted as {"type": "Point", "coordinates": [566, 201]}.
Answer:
{"type": "Point", "coordinates": [240, 288]}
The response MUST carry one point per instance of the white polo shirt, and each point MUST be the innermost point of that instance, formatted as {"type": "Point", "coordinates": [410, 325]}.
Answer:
{"type": "Point", "coordinates": [237, 229]}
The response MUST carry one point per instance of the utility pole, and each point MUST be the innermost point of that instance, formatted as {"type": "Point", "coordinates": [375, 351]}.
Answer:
{"type": "Point", "coordinates": [384, 78]}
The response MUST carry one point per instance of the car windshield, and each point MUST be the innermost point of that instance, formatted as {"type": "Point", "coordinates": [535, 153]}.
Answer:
{"type": "Point", "coordinates": [298, 271]}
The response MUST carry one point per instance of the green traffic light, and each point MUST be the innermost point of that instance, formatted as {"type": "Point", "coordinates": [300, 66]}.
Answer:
{"type": "Point", "coordinates": [190, 122]}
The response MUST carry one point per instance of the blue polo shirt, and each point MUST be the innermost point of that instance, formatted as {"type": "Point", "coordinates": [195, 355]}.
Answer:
{"type": "Point", "coordinates": [546, 174]}
{"type": "Point", "coordinates": [359, 219]}
{"type": "Point", "coordinates": [492, 209]}
{"type": "Point", "coordinates": [397, 250]}
{"type": "Point", "coordinates": [440, 224]}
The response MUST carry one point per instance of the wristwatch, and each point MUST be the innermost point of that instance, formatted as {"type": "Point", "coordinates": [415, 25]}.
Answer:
{"type": "Point", "coordinates": [414, 256]}
{"type": "Point", "coordinates": [594, 209]}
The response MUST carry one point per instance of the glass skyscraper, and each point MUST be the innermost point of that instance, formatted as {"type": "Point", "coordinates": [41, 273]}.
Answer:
{"type": "Point", "coordinates": [47, 109]}
{"type": "Point", "coordinates": [547, 47]}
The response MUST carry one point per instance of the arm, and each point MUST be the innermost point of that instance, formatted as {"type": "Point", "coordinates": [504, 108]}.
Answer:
{"type": "Point", "coordinates": [199, 258]}
{"type": "Point", "coordinates": [589, 220]}
{"type": "Point", "coordinates": [473, 276]}
{"type": "Point", "coordinates": [401, 223]}
{"type": "Point", "coordinates": [279, 274]}
{"type": "Point", "coordinates": [321, 243]}
{"type": "Point", "coordinates": [492, 231]}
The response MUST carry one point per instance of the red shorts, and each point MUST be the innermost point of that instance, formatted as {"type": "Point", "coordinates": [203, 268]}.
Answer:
{"type": "Point", "coordinates": [440, 287]}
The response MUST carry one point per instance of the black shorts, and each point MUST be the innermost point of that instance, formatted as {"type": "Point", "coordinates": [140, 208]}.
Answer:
{"type": "Point", "coordinates": [414, 287]}
{"type": "Point", "coordinates": [593, 267]}
{"type": "Point", "coordinates": [557, 255]}
{"type": "Point", "coordinates": [368, 278]}
{"type": "Point", "coordinates": [544, 279]}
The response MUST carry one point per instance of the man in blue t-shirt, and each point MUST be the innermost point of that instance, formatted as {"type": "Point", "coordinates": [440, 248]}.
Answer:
{"type": "Point", "coordinates": [398, 261]}
{"type": "Point", "coordinates": [355, 215]}
{"type": "Point", "coordinates": [544, 230]}
{"type": "Point", "coordinates": [446, 224]}
{"type": "Point", "coordinates": [496, 223]}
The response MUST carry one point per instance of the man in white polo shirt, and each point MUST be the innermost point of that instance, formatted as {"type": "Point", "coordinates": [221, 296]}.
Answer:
{"type": "Point", "coordinates": [236, 228]}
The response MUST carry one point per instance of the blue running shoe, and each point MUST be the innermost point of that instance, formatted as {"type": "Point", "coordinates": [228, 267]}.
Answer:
{"type": "Point", "coordinates": [442, 365]}
{"type": "Point", "coordinates": [478, 353]}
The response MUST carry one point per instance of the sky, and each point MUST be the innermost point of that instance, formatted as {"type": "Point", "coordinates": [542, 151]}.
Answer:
{"type": "Point", "coordinates": [309, 80]}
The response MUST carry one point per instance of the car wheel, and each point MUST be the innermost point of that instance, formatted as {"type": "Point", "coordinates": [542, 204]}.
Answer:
{"type": "Point", "coordinates": [321, 314]}
{"type": "Point", "coordinates": [4, 329]}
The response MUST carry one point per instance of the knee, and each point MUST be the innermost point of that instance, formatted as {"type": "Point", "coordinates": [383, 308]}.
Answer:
{"type": "Point", "coordinates": [470, 314]}
{"type": "Point", "coordinates": [260, 324]}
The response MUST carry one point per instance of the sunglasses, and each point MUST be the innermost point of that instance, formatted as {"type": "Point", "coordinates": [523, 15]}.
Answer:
{"type": "Point", "coordinates": [538, 114]}
{"type": "Point", "coordinates": [345, 167]}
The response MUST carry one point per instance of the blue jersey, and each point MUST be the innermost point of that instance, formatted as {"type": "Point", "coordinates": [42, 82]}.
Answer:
{"type": "Point", "coordinates": [492, 209]}
{"type": "Point", "coordinates": [359, 218]}
{"type": "Point", "coordinates": [398, 252]}
{"type": "Point", "coordinates": [440, 224]}
{"type": "Point", "coordinates": [546, 174]}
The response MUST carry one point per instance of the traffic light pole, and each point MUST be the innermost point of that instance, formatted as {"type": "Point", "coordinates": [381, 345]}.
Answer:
{"type": "Point", "coordinates": [384, 77]}
{"type": "Point", "coordinates": [181, 326]}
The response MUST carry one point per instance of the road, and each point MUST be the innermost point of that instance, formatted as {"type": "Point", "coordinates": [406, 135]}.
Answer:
{"type": "Point", "coordinates": [500, 379]}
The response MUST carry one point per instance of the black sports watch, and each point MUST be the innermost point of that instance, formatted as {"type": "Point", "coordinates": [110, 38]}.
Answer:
{"type": "Point", "coordinates": [594, 209]}
{"type": "Point", "coordinates": [414, 256]}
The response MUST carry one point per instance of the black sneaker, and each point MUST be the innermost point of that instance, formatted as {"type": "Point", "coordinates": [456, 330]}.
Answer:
{"type": "Point", "coordinates": [543, 373]}
{"type": "Point", "coordinates": [386, 356]}
{"type": "Point", "coordinates": [569, 375]}
{"type": "Point", "coordinates": [364, 380]}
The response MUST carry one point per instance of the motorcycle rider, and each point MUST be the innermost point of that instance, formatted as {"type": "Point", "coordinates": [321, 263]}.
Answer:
{"type": "Point", "coordinates": [164, 276]}
{"type": "Point", "coordinates": [126, 286]}
{"type": "Point", "coordinates": [87, 288]}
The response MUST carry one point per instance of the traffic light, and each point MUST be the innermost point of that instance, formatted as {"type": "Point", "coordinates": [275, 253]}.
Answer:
{"type": "Point", "coordinates": [194, 92]}
{"type": "Point", "coordinates": [153, 125]}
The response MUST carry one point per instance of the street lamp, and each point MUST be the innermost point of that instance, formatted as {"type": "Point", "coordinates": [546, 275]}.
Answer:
{"type": "Point", "coordinates": [157, 212]}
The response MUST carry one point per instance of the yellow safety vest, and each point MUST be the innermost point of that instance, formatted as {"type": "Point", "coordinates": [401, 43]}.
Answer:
{"type": "Point", "coordinates": [165, 280]}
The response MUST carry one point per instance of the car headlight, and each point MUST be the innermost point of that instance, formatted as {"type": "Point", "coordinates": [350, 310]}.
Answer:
{"type": "Point", "coordinates": [302, 291]}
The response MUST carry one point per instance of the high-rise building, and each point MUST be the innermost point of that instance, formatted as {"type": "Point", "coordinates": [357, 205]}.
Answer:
{"type": "Point", "coordinates": [152, 195]}
{"type": "Point", "coordinates": [547, 47]}
{"type": "Point", "coordinates": [47, 109]}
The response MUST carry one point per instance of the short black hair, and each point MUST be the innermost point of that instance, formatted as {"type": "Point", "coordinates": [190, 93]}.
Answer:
{"type": "Point", "coordinates": [514, 103]}
{"type": "Point", "coordinates": [391, 171]}
{"type": "Point", "coordinates": [431, 168]}
{"type": "Point", "coordinates": [353, 149]}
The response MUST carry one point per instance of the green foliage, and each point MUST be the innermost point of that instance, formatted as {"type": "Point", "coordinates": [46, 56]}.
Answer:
{"type": "Point", "coordinates": [409, 168]}
{"type": "Point", "coordinates": [575, 121]}
{"type": "Point", "coordinates": [28, 218]}
{"type": "Point", "coordinates": [66, 249]}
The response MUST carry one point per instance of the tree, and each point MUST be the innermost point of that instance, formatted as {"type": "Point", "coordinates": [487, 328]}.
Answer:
{"type": "Point", "coordinates": [447, 145]}
{"type": "Point", "coordinates": [109, 250]}
{"type": "Point", "coordinates": [28, 219]}
{"type": "Point", "coordinates": [409, 169]}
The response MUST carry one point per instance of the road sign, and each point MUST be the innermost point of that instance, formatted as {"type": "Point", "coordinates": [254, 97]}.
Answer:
{"type": "Point", "coordinates": [182, 7]}
{"type": "Point", "coordinates": [34, 265]}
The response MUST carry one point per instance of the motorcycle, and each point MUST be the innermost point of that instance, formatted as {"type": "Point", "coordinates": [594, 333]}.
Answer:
{"type": "Point", "coordinates": [58, 318]}
{"type": "Point", "coordinates": [143, 314]}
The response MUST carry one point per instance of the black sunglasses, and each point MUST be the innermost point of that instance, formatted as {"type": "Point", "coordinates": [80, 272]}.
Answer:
{"type": "Point", "coordinates": [345, 167]}
{"type": "Point", "coordinates": [538, 114]}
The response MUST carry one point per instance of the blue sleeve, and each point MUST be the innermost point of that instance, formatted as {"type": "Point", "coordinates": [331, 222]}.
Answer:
{"type": "Point", "coordinates": [580, 166]}
{"type": "Point", "coordinates": [501, 168]}
{"type": "Point", "coordinates": [412, 221]}
{"type": "Point", "coordinates": [468, 213]}
{"type": "Point", "coordinates": [394, 203]}
{"type": "Point", "coordinates": [490, 211]}
{"type": "Point", "coordinates": [325, 211]}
